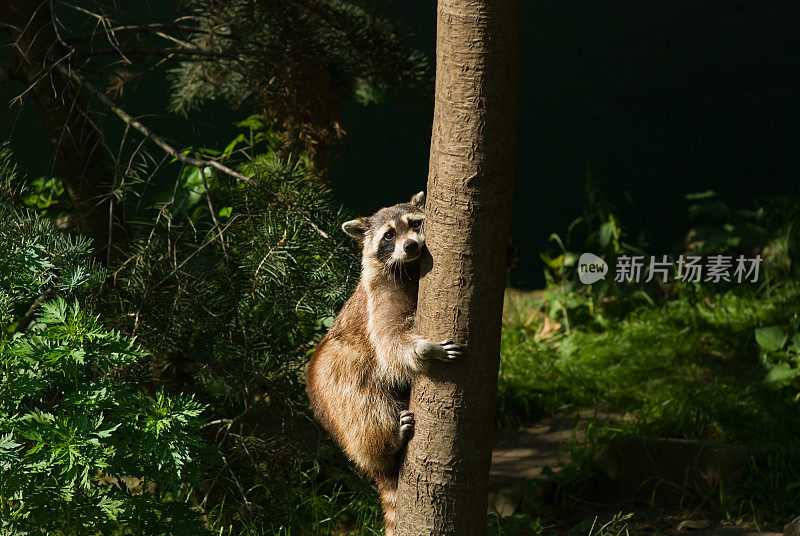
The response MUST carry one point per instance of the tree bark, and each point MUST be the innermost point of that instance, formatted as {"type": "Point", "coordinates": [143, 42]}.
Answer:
{"type": "Point", "coordinates": [444, 478]}
{"type": "Point", "coordinates": [76, 144]}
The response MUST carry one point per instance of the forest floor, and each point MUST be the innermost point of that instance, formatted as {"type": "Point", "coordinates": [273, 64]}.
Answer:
{"type": "Point", "coordinates": [530, 454]}
{"type": "Point", "coordinates": [684, 436]}
{"type": "Point", "coordinates": [525, 455]}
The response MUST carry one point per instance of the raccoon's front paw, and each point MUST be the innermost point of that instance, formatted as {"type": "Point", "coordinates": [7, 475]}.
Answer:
{"type": "Point", "coordinates": [406, 429]}
{"type": "Point", "coordinates": [443, 351]}
{"type": "Point", "coordinates": [451, 350]}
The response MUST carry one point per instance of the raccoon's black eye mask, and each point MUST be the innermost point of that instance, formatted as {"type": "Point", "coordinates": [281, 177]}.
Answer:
{"type": "Point", "coordinates": [386, 247]}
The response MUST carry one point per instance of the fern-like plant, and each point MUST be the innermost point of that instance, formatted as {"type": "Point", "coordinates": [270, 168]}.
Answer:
{"type": "Point", "coordinates": [81, 450]}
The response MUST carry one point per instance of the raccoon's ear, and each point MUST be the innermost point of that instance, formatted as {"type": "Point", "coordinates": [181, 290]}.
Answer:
{"type": "Point", "coordinates": [356, 228]}
{"type": "Point", "coordinates": [419, 200]}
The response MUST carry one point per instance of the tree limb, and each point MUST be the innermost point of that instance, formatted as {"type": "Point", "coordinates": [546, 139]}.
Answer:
{"type": "Point", "coordinates": [158, 140]}
{"type": "Point", "coordinates": [146, 132]}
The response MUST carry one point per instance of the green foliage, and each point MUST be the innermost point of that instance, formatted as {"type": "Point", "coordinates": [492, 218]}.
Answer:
{"type": "Point", "coordinates": [187, 199]}
{"type": "Point", "coordinates": [691, 361]}
{"type": "Point", "coordinates": [249, 306]}
{"type": "Point", "coordinates": [771, 338]}
{"type": "Point", "coordinates": [35, 260]}
{"type": "Point", "coordinates": [769, 231]}
{"type": "Point", "coordinates": [616, 526]}
{"type": "Point", "coordinates": [231, 311]}
{"type": "Point", "coordinates": [782, 360]}
{"type": "Point", "coordinates": [81, 450]}
{"type": "Point", "coordinates": [566, 298]}
{"type": "Point", "coordinates": [47, 195]}
{"type": "Point", "coordinates": [718, 229]}
{"type": "Point", "coordinates": [298, 60]}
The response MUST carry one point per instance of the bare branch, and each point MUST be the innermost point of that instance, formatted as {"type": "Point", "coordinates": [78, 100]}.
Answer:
{"type": "Point", "coordinates": [154, 28]}
{"type": "Point", "coordinates": [54, 22]}
{"type": "Point", "coordinates": [152, 136]}
{"type": "Point", "coordinates": [158, 140]}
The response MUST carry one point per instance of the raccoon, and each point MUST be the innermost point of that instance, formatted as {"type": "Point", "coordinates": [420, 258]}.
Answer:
{"type": "Point", "coordinates": [359, 377]}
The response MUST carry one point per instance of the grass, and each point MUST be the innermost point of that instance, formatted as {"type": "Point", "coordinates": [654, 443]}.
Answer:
{"type": "Point", "coordinates": [687, 368]}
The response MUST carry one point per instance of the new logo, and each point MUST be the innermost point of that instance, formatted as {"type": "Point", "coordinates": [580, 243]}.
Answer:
{"type": "Point", "coordinates": [591, 268]}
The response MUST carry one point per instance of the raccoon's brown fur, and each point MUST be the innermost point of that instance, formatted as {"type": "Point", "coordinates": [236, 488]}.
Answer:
{"type": "Point", "coordinates": [359, 377]}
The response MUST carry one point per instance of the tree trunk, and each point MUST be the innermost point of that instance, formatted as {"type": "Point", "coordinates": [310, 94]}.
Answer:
{"type": "Point", "coordinates": [75, 142]}
{"type": "Point", "coordinates": [445, 476]}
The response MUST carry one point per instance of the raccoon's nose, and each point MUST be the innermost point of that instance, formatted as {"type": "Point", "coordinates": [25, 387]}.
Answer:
{"type": "Point", "coordinates": [411, 246]}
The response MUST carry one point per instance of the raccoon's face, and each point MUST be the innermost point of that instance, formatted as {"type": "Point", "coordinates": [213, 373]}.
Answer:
{"type": "Point", "coordinates": [393, 235]}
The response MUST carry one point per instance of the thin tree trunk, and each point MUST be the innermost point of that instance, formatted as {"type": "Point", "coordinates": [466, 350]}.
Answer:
{"type": "Point", "coordinates": [444, 479]}
{"type": "Point", "coordinates": [76, 144]}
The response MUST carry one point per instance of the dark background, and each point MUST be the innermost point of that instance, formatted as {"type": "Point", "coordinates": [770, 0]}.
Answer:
{"type": "Point", "coordinates": [657, 99]}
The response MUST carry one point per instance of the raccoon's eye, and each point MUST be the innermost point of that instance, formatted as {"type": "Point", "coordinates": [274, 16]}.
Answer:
{"type": "Point", "coordinates": [416, 224]}
{"type": "Point", "coordinates": [388, 235]}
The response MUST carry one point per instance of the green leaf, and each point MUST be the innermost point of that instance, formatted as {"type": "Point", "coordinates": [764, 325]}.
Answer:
{"type": "Point", "coordinates": [192, 179]}
{"type": "Point", "coordinates": [552, 263]}
{"type": "Point", "coordinates": [111, 507]}
{"type": "Point", "coordinates": [781, 374]}
{"type": "Point", "coordinates": [34, 449]}
{"type": "Point", "coordinates": [232, 145]}
{"type": "Point", "coordinates": [771, 338]}
{"type": "Point", "coordinates": [796, 342]}
{"type": "Point", "coordinates": [7, 443]}
{"type": "Point", "coordinates": [697, 196]}
{"type": "Point", "coordinates": [254, 122]}
{"type": "Point", "coordinates": [108, 431]}
{"type": "Point", "coordinates": [606, 232]}
{"type": "Point", "coordinates": [54, 312]}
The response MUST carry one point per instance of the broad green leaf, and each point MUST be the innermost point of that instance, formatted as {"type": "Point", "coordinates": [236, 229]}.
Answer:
{"type": "Point", "coordinates": [781, 374]}
{"type": "Point", "coordinates": [771, 338]}
{"type": "Point", "coordinates": [192, 179]}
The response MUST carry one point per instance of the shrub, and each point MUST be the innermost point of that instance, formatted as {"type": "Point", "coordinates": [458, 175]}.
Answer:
{"type": "Point", "coordinates": [231, 312]}
{"type": "Point", "coordinates": [81, 450]}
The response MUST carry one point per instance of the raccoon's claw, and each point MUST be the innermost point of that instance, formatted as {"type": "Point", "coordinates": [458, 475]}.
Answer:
{"type": "Point", "coordinates": [443, 351]}
{"type": "Point", "coordinates": [406, 418]}
{"type": "Point", "coordinates": [406, 429]}
{"type": "Point", "coordinates": [451, 350]}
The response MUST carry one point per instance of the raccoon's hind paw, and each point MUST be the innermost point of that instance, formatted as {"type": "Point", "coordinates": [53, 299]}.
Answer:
{"type": "Point", "coordinates": [406, 429]}
{"type": "Point", "coordinates": [451, 350]}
